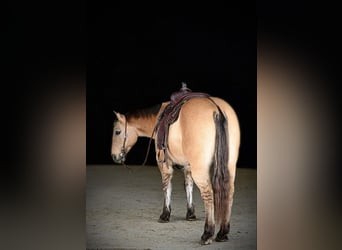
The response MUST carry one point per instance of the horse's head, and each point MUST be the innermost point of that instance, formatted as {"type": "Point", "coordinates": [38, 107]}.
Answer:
{"type": "Point", "coordinates": [124, 138]}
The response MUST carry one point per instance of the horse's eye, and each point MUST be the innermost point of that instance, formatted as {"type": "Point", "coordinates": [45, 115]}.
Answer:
{"type": "Point", "coordinates": [117, 132]}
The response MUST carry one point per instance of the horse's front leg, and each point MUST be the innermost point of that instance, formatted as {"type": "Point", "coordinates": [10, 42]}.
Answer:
{"type": "Point", "coordinates": [188, 185]}
{"type": "Point", "coordinates": [166, 171]}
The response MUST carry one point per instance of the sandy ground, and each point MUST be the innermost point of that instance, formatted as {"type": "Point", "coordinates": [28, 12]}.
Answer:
{"type": "Point", "coordinates": [123, 207]}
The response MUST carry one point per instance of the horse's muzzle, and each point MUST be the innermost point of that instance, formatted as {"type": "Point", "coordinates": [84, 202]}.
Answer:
{"type": "Point", "coordinates": [119, 159]}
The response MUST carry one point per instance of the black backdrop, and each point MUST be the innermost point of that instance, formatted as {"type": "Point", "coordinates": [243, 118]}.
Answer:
{"type": "Point", "coordinates": [137, 60]}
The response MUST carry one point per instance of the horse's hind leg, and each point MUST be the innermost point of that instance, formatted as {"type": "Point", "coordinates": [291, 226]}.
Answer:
{"type": "Point", "coordinates": [188, 185]}
{"type": "Point", "coordinates": [204, 185]}
{"type": "Point", "coordinates": [166, 173]}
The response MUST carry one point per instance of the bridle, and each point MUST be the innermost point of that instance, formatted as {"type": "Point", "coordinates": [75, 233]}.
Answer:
{"type": "Point", "coordinates": [123, 151]}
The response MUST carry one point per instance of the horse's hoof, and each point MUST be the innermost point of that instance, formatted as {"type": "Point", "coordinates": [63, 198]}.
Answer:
{"type": "Point", "coordinates": [221, 238]}
{"type": "Point", "coordinates": [164, 217]}
{"type": "Point", "coordinates": [207, 236]}
{"type": "Point", "coordinates": [206, 242]}
{"type": "Point", "coordinates": [163, 220]}
{"type": "Point", "coordinates": [191, 217]}
{"type": "Point", "coordinates": [190, 214]}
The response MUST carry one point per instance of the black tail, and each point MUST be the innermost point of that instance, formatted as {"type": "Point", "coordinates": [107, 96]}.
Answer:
{"type": "Point", "coordinates": [220, 177]}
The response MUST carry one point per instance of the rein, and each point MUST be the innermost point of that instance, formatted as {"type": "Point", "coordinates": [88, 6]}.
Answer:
{"type": "Point", "coordinates": [149, 143]}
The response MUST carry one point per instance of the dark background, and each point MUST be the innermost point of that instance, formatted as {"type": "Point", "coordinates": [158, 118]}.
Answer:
{"type": "Point", "coordinates": [54, 37]}
{"type": "Point", "coordinates": [137, 60]}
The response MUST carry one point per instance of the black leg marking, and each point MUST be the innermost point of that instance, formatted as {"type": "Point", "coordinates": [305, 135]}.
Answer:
{"type": "Point", "coordinates": [190, 214]}
{"type": "Point", "coordinates": [209, 231]}
{"type": "Point", "coordinates": [165, 216]}
{"type": "Point", "coordinates": [222, 235]}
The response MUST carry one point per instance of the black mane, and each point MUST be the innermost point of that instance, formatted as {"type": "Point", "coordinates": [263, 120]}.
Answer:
{"type": "Point", "coordinates": [144, 113]}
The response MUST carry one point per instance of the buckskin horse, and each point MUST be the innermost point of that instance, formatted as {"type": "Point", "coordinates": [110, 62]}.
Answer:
{"type": "Point", "coordinates": [198, 132]}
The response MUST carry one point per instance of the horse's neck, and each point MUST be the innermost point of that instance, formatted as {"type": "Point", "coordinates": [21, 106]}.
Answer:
{"type": "Point", "coordinates": [144, 126]}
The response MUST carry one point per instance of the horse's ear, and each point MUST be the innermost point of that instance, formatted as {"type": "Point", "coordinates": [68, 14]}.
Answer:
{"type": "Point", "coordinates": [117, 115]}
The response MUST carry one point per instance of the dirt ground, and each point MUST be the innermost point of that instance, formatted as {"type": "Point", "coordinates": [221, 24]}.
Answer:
{"type": "Point", "coordinates": [123, 207]}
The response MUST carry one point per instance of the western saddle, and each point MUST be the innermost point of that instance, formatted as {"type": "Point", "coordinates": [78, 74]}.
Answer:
{"type": "Point", "coordinates": [170, 114]}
